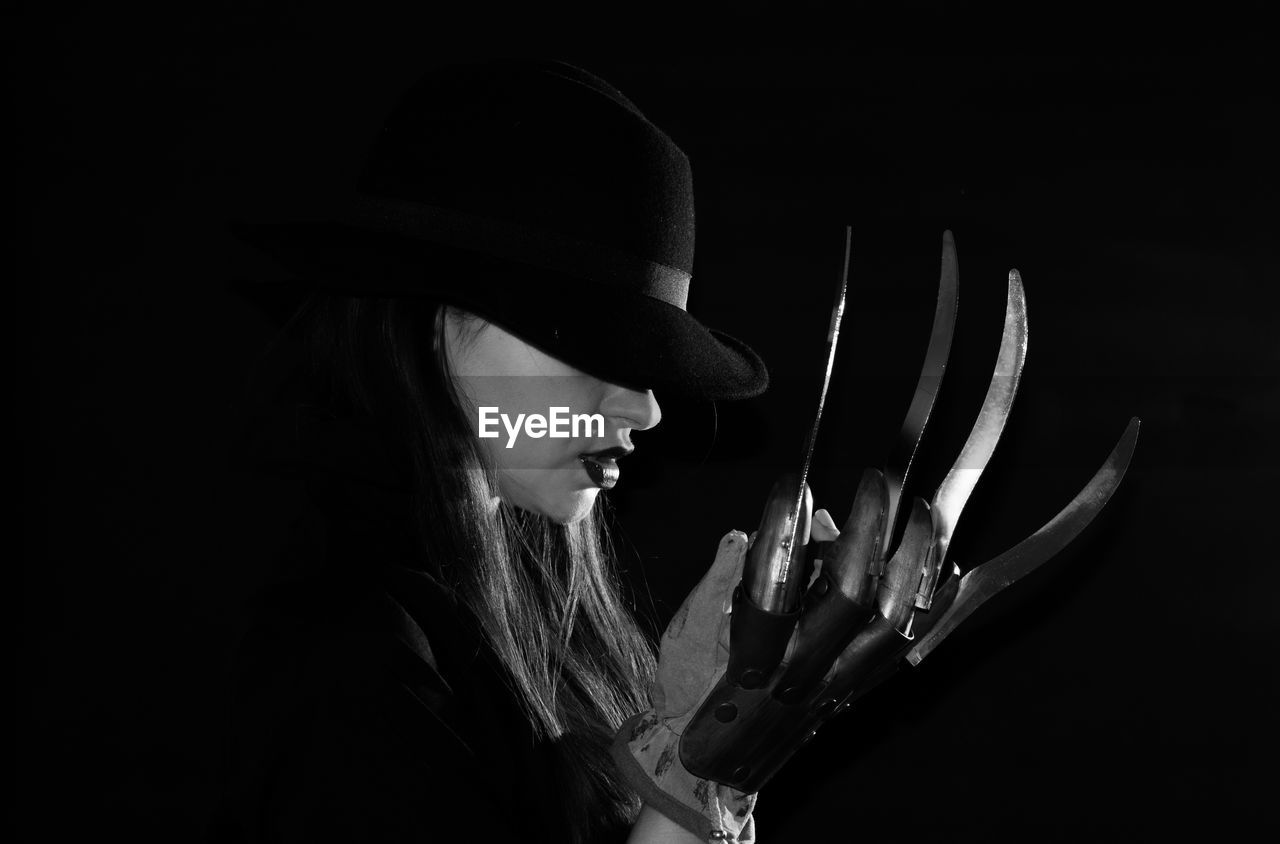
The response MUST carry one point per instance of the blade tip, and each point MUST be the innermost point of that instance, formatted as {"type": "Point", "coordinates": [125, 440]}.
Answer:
{"type": "Point", "coordinates": [1129, 439]}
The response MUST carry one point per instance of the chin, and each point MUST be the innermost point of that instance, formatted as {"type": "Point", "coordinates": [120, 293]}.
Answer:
{"type": "Point", "coordinates": [573, 508]}
{"type": "Point", "coordinates": [560, 499]}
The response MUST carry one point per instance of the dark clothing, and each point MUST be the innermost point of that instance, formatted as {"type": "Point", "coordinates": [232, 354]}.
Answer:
{"type": "Point", "coordinates": [367, 707]}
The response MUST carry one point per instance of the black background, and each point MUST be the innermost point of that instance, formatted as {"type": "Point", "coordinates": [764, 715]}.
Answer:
{"type": "Point", "coordinates": [1131, 685]}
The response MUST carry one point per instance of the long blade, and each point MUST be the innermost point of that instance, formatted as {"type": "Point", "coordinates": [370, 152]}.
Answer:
{"type": "Point", "coordinates": [954, 491]}
{"type": "Point", "coordinates": [833, 336]}
{"type": "Point", "coordinates": [935, 365]}
{"type": "Point", "coordinates": [988, 579]}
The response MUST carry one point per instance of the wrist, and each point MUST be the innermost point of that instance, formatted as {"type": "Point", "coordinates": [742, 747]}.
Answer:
{"type": "Point", "coordinates": [646, 751]}
{"type": "Point", "coordinates": [652, 825]}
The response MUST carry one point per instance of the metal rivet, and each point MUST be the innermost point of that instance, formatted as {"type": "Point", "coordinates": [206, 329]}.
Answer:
{"type": "Point", "coordinates": [820, 588]}
{"type": "Point", "coordinates": [740, 773]}
{"type": "Point", "coordinates": [726, 712]}
{"type": "Point", "coordinates": [752, 678]}
{"type": "Point", "coordinates": [823, 709]}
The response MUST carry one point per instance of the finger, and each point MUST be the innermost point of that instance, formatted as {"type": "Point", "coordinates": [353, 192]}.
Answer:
{"type": "Point", "coordinates": [714, 592]}
{"type": "Point", "coordinates": [726, 569]}
{"type": "Point", "coordinates": [824, 527]}
{"type": "Point", "coordinates": [712, 597]}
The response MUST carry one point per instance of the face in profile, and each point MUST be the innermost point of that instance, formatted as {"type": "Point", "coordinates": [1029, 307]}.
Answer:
{"type": "Point", "coordinates": [556, 469]}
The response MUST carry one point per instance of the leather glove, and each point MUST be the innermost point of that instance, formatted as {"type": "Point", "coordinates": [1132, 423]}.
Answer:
{"type": "Point", "coordinates": [693, 655]}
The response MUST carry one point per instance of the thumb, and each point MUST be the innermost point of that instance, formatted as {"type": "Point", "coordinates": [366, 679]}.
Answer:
{"type": "Point", "coordinates": [690, 652]}
{"type": "Point", "coordinates": [712, 597]}
{"type": "Point", "coordinates": [726, 570]}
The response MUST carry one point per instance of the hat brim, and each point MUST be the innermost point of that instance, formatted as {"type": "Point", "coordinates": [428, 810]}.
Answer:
{"type": "Point", "coordinates": [615, 334]}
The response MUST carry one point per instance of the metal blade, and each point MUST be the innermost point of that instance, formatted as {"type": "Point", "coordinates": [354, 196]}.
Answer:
{"type": "Point", "coordinates": [991, 577]}
{"type": "Point", "coordinates": [954, 491]}
{"type": "Point", "coordinates": [935, 365]}
{"type": "Point", "coordinates": [791, 541]}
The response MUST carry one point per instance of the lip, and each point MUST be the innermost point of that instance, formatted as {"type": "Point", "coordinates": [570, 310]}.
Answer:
{"type": "Point", "coordinates": [602, 466]}
{"type": "Point", "coordinates": [616, 452]}
{"type": "Point", "coordinates": [603, 472]}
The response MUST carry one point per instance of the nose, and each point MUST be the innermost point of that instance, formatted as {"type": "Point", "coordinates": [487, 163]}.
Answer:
{"type": "Point", "coordinates": [635, 409]}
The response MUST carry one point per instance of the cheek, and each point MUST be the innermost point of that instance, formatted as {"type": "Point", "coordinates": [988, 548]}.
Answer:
{"type": "Point", "coordinates": [528, 455]}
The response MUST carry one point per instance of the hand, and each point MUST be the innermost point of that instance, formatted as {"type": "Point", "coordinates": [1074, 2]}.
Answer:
{"type": "Point", "coordinates": [800, 649]}
{"type": "Point", "coordinates": [795, 662]}
{"type": "Point", "coordinates": [693, 655]}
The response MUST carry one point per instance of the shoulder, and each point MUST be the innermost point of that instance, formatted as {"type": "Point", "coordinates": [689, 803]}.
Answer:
{"type": "Point", "coordinates": [343, 722]}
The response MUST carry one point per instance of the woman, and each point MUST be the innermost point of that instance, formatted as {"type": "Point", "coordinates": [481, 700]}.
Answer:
{"type": "Point", "coordinates": [455, 657]}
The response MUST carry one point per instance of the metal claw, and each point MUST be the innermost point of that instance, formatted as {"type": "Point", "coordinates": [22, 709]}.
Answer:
{"type": "Point", "coordinates": [798, 656]}
{"type": "Point", "coordinates": [897, 587]}
{"type": "Point", "coordinates": [773, 570]}
{"type": "Point", "coordinates": [954, 491]}
{"type": "Point", "coordinates": [986, 580]}
{"type": "Point", "coordinates": [898, 467]}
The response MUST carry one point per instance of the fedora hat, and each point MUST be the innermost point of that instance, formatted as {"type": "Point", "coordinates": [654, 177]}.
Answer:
{"type": "Point", "coordinates": [537, 196]}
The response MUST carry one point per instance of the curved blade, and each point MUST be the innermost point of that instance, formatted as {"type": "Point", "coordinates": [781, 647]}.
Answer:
{"type": "Point", "coordinates": [896, 594]}
{"type": "Point", "coordinates": [954, 491]}
{"type": "Point", "coordinates": [991, 577]}
{"type": "Point", "coordinates": [935, 365]}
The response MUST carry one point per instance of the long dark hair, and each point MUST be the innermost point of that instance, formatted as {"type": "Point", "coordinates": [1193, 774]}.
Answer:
{"type": "Point", "coordinates": [546, 596]}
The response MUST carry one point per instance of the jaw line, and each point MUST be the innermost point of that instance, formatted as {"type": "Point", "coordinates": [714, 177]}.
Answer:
{"type": "Point", "coordinates": [512, 486]}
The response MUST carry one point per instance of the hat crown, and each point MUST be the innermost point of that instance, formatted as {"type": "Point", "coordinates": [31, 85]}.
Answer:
{"type": "Point", "coordinates": [542, 145]}
{"type": "Point", "coordinates": [538, 197]}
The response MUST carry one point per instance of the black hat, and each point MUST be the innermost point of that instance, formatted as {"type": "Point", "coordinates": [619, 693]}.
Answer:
{"type": "Point", "coordinates": [539, 197]}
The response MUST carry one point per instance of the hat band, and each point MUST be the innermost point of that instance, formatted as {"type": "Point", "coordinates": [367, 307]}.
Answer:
{"type": "Point", "coordinates": [525, 245]}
